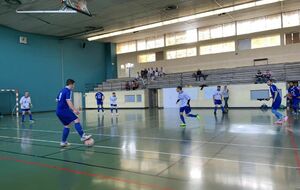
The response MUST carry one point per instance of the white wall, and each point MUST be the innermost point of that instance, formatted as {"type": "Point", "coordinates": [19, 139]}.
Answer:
{"type": "Point", "coordinates": [239, 96]}
{"type": "Point", "coordinates": [90, 101]}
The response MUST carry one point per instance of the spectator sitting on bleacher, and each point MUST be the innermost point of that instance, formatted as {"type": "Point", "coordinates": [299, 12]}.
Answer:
{"type": "Point", "coordinates": [199, 74]}
{"type": "Point", "coordinates": [156, 73]}
{"type": "Point", "coordinates": [259, 77]}
{"type": "Point", "coordinates": [135, 85]}
{"type": "Point", "coordinates": [127, 86]}
{"type": "Point", "coordinates": [161, 72]}
{"type": "Point", "coordinates": [267, 75]}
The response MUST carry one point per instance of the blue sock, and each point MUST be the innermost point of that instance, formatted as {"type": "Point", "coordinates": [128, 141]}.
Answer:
{"type": "Point", "coordinates": [191, 115]}
{"type": "Point", "coordinates": [182, 119]}
{"type": "Point", "coordinates": [79, 129]}
{"type": "Point", "coordinates": [23, 118]}
{"type": "Point", "coordinates": [102, 109]}
{"type": "Point", "coordinates": [30, 117]}
{"type": "Point", "coordinates": [98, 108]}
{"type": "Point", "coordinates": [222, 109]}
{"type": "Point", "coordinates": [116, 110]}
{"type": "Point", "coordinates": [111, 110]}
{"type": "Point", "coordinates": [65, 134]}
{"type": "Point", "coordinates": [216, 108]}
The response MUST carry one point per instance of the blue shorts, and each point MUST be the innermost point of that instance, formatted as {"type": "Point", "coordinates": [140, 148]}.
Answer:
{"type": "Point", "coordinates": [66, 117]}
{"type": "Point", "coordinates": [276, 104]}
{"type": "Point", "coordinates": [186, 109]}
{"type": "Point", "coordinates": [218, 102]}
{"type": "Point", "coordinates": [99, 102]}
{"type": "Point", "coordinates": [26, 110]}
{"type": "Point", "coordinates": [113, 105]}
{"type": "Point", "coordinates": [296, 102]}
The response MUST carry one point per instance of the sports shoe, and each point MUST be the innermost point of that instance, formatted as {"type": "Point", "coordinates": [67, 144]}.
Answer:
{"type": "Point", "coordinates": [278, 122]}
{"type": "Point", "coordinates": [85, 137]}
{"type": "Point", "coordinates": [182, 125]}
{"type": "Point", "coordinates": [31, 121]}
{"type": "Point", "coordinates": [64, 144]}
{"type": "Point", "coordinates": [198, 116]}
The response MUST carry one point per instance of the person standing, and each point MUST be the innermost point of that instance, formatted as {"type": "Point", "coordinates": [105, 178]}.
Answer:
{"type": "Point", "coordinates": [26, 105]}
{"type": "Point", "coordinates": [100, 98]}
{"type": "Point", "coordinates": [113, 104]}
{"type": "Point", "coordinates": [276, 102]}
{"type": "Point", "coordinates": [225, 94]}
{"type": "Point", "coordinates": [217, 97]}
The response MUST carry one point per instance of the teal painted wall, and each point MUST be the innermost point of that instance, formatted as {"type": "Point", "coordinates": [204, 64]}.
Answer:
{"type": "Point", "coordinates": [43, 65]}
{"type": "Point", "coordinates": [111, 61]}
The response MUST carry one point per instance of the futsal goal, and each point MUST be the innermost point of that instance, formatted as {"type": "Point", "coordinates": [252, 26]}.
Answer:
{"type": "Point", "coordinates": [9, 101]}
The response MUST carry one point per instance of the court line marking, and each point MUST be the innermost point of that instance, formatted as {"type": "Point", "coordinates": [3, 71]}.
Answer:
{"type": "Point", "coordinates": [163, 139]}
{"type": "Point", "coordinates": [167, 153]}
{"type": "Point", "coordinates": [83, 173]}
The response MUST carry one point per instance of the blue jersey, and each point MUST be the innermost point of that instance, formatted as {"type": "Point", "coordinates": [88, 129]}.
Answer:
{"type": "Point", "coordinates": [294, 91]}
{"type": "Point", "coordinates": [64, 95]}
{"type": "Point", "coordinates": [273, 90]}
{"type": "Point", "coordinates": [99, 96]}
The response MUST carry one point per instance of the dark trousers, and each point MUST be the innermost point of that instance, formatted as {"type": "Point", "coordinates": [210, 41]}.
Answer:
{"type": "Point", "coordinates": [226, 102]}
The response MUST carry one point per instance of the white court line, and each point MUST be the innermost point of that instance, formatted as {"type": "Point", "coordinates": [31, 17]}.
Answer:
{"type": "Point", "coordinates": [165, 139]}
{"type": "Point", "coordinates": [166, 153]}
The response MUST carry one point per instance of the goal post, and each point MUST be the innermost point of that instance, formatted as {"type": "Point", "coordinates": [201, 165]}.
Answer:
{"type": "Point", "coordinates": [10, 101]}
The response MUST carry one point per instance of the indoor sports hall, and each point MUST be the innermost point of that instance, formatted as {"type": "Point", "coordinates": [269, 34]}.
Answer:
{"type": "Point", "coordinates": [150, 94]}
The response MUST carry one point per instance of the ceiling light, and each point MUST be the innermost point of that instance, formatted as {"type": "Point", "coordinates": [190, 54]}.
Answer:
{"type": "Point", "coordinates": [186, 18]}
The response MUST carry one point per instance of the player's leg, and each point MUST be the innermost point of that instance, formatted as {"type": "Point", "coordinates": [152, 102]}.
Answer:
{"type": "Point", "coordinates": [30, 115]}
{"type": "Point", "coordinates": [189, 114]}
{"type": "Point", "coordinates": [102, 108]}
{"type": "Point", "coordinates": [216, 107]}
{"type": "Point", "coordinates": [80, 131]}
{"type": "Point", "coordinates": [98, 108]}
{"type": "Point", "coordinates": [112, 109]}
{"type": "Point", "coordinates": [116, 108]}
{"type": "Point", "coordinates": [181, 110]}
{"type": "Point", "coordinates": [23, 115]}
{"type": "Point", "coordinates": [65, 134]}
{"type": "Point", "coordinates": [295, 105]}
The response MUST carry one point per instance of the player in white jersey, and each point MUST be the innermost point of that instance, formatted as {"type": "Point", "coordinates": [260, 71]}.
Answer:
{"type": "Point", "coordinates": [25, 103]}
{"type": "Point", "coordinates": [217, 97]}
{"type": "Point", "coordinates": [113, 104]}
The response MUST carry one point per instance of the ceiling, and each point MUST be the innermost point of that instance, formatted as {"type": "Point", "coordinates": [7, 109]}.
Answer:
{"type": "Point", "coordinates": [108, 15]}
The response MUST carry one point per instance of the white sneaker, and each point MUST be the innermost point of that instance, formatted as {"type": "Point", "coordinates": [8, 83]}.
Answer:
{"type": "Point", "coordinates": [117, 114]}
{"type": "Point", "coordinates": [31, 121]}
{"type": "Point", "coordinates": [64, 144]}
{"type": "Point", "coordinates": [85, 137]}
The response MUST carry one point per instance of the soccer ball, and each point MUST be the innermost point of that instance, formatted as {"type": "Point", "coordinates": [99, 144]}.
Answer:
{"type": "Point", "coordinates": [90, 142]}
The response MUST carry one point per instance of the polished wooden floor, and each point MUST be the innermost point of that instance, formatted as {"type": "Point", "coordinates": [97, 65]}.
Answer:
{"type": "Point", "coordinates": [147, 150]}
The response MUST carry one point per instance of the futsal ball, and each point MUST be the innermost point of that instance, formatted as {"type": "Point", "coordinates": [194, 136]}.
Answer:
{"type": "Point", "coordinates": [90, 142]}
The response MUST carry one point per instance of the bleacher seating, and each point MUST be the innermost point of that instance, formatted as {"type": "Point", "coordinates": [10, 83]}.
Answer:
{"type": "Point", "coordinates": [240, 75]}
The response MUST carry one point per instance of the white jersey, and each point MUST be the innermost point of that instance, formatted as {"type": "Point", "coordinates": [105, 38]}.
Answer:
{"type": "Point", "coordinates": [218, 95]}
{"type": "Point", "coordinates": [113, 100]}
{"type": "Point", "coordinates": [184, 98]}
{"type": "Point", "coordinates": [25, 102]}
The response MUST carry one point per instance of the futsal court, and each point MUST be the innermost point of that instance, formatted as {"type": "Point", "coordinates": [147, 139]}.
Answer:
{"type": "Point", "coordinates": [147, 150]}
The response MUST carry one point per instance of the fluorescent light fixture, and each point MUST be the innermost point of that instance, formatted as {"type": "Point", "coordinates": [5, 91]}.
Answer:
{"type": "Point", "coordinates": [46, 11]}
{"type": "Point", "coordinates": [186, 18]}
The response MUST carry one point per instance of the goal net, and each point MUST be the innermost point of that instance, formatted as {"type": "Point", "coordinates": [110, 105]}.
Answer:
{"type": "Point", "coordinates": [9, 102]}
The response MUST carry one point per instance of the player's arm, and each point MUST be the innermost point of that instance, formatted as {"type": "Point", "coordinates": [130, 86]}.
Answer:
{"type": "Point", "coordinates": [177, 101]}
{"type": "Point", "coordinates": [188, 102]}
{"type": "Point", "coordinates": [103, 97]}
{"type": "Point", "coordinates": [71, 106]}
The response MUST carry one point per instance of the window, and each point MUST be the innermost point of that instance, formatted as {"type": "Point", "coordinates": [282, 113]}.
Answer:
{"type": "Point", "coordinates": [217, 48]}
{"type": "Point", "coordinates": [259, 24]}
{"type": "Point", "coordinates": [181, 37]}
{"type": "Point", "coordinates": [291, 19]}
{"type": "Point", "coordinates": [180, 53]}
{"type": "Point", "coordinates": [129, 98]}
{"type": "Point", "coordinates": [138, 98]}
{"type": "Point", "coordinates": [266, 41]}
{"type": "Point", "coordinates": [126, 47]}
{"type": "Point", "coordinates": [146, 58]}
{"type": "Point", "coordinates": [151, 43]}
{"type": "Point", "coordinates": [244, 44]}
{"type": "Point", "coordinates": [292, 38]}
{"type": "Point", "coordinates": [218, 31]}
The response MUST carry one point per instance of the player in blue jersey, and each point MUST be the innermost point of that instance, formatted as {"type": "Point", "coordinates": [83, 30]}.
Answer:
{"type": "Point", "coordinates": [66, 112]}
{"type": "Point", "coordinates": [217, 97]}
{"type": "Point", "coordinates": [276, 102]}
{"type": "Point", "coordinates": [113, 104]}
{"type": "Point", "coordinates": [294, 92]}
{"type": "Point", "coordinates": [184, 100]}
{"type": "Point", "coordinates": [100, 98]}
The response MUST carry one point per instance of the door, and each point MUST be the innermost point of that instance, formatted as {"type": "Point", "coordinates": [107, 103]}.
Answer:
{"type": "Point", "coordinates": [77, 96]}
{"type": "Point", "coordinates": [153, 98]}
